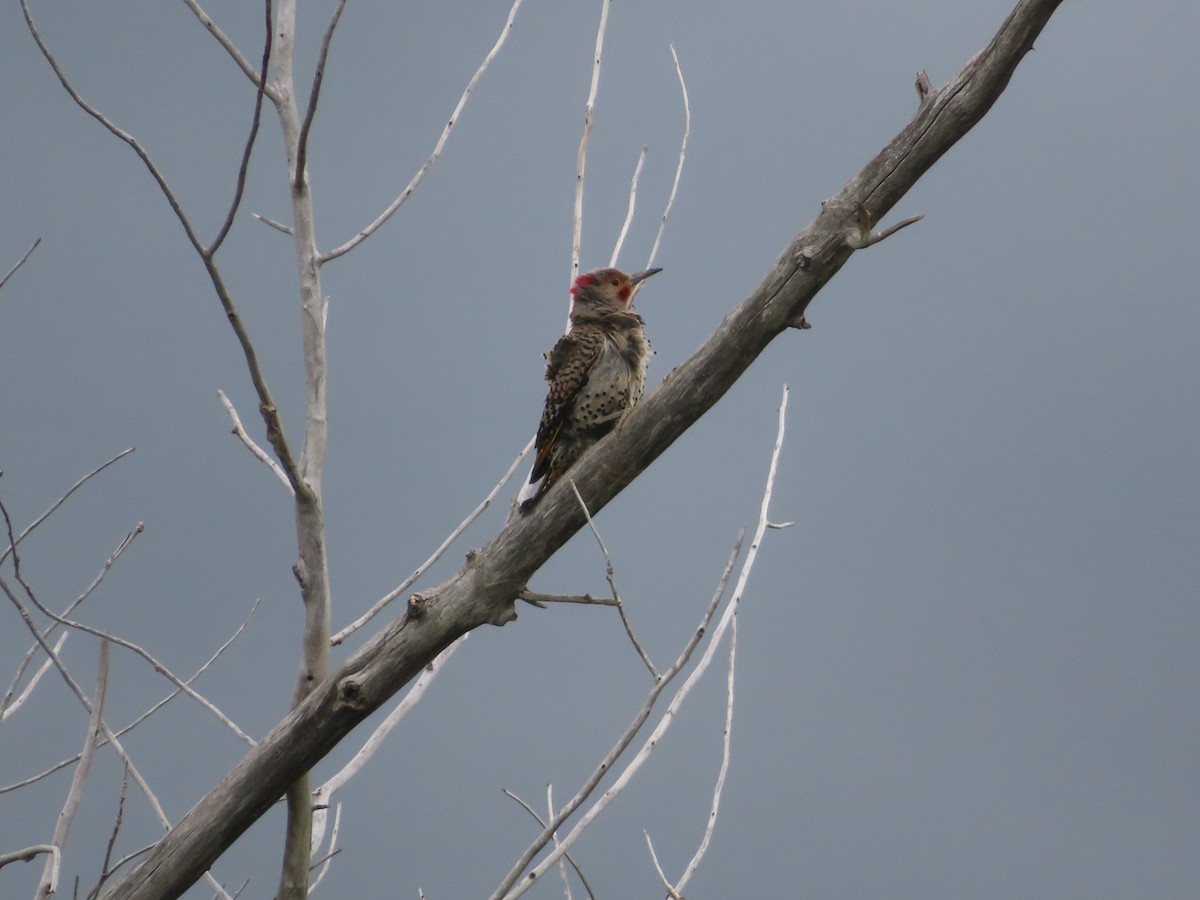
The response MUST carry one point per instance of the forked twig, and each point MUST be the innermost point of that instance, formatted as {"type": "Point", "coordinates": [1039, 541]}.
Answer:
{"type": "Point", "coordinates": [623, 742]}
{"type": "Point", "coordinates": [612, 584]}
{"type": "Point", "coordinates": [510, 888]}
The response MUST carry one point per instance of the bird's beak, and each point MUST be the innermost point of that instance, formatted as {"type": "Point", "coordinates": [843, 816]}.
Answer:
{"type": "Point", "coordinates": [639, 277]}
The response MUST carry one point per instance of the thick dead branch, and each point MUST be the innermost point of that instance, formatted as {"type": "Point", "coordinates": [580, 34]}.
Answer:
{"type": "Point", "coordinates": [486, 589]}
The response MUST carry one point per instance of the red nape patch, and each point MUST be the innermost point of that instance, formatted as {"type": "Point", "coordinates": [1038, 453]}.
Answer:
{"type": "Point", "coordinates": [585, 280]}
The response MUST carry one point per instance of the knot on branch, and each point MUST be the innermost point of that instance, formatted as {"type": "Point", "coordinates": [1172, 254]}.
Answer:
{"type": "Point", "coordinates": [416, 606]}
{"type": "Point", "coordinates": [351, 694]}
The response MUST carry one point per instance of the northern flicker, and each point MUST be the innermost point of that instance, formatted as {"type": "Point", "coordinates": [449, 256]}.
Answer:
{"type": "Point", "coordinates": [596, 372]}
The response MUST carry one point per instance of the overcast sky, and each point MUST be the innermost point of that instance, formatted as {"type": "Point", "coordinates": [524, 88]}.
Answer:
{"type": "Point", "coordinates": [969, 670]}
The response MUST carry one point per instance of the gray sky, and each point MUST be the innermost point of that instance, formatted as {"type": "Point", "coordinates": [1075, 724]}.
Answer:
{"type": "Point", "coordinates": [970, 669]}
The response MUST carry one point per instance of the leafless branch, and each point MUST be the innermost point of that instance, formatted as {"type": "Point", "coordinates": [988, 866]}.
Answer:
{"type": "Point", "coordinates": [506, 887]}
{"type": "Point", "coordinates": [105, 870]}
{"type": "Point", "coordinates": [687, 130]}
{"type": "Point", "coordinates": [437, 149]}
{"type": "Point", "coordinates": [230, 48]}
{"type": "Point", "coordinates": [62, 764]}
{"type": "Point", "coordinates": [278, 226]}
{"type": "Point", "coordinates": [240, 184]}
{"type": "Point", "coordinates": [8, 706]}
{"type": "Point", "coordinates": [612, 586]}
{"type": "Point", "coordinates": [323, 796]}
{"type": "Point", "coordinates": [633, 186]}
{"type": "Point", "coordinates": [270, 413]}
{"type": "Point", "coordinates": [49, 882]}
{"type": "Point", "coordinates": [537, 817]}
{"type": "Point", "coordinates": [516, 890]}
{"type": "Point", "coordinates": [315, 93]}
{"type": "Point", "coordinates": [158, 667]}
{"type": "Point", "coordinates": [60, 501]}
{"type": "Point", "coordinates": [433, 557]}
{"type": "Point", "coordinates": [672, 891]}
{"type": "Point", "coordinates": [542, 599]}
{"type": "Point", "coordinates": [694, 863]}
{"type": "Point", "coordinates": [261, 455]}
{"type": "Point", "coordinates": [20, 262]}
{"type": "Point", "coordinates": [585, 139]}
{"type": "Point", "coordinates": [27, 853]}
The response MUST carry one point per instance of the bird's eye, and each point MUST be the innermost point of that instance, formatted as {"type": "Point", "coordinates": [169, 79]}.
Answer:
{"type": "Point", "coordinates": [615, 282]}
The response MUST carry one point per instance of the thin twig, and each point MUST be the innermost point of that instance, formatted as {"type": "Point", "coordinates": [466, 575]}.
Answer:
{"type": "Point", "coordinates": [672, 890]}
{"type": "Point", "coordinates": [25, 854]}
{"type": "Point", "coordinates": [322, 796]}
{"type": "Point", "coordinates": [687, 130]}
{"type": "Point", "coordinates": [108, 564]}
{"type": "Point", "coordinates": [62, 764]}
{"type": "Point", "coordinates": [270, 412]}
{"type": "Point", "coordinates": [105, 870]}
{"type": "Point", "coordinates": [315, 94]}
{"type": "Point", "coordinates": [694, 863]}
{"type": "Point", "coordinates": [61, 500]}
{"type": "Point", "coordinates": [542, 599]}
{"type": "Point", "coordinates": [20, 262]}
{"type": "Point", "coordinates": [533, 812]}
{"type": "Point", "coordinates": [158, 667]}
{"type": "Point", "coordinates": [515, 890]}
{"type": "Point", "coordinates": [278, 226]}
{"type": "Point", "coordinates": [49, 882]}
{"type": "Point", "coordinates": [240, 183]}
{"type": "Point", "coordinates": [612, 584]}
{"type": "Point", "coordinates": [633, 186]}
{"type": "Point", "coordinates": [585, 139]}
{"type": "Point", "coordinates": [437, 149]}
{"type": "Point", "coordinates": [433, 557]}
{"type": "Point", "coordinates": [9, 706]}
{"type": "Point", "coordinates": [259, 453]}
{"type": "Point", "coordinates": [622, 743]}
{"type": "Point", "coordinates": [334, 849]}
{"type": "Point", "coordinates": [231, 49]}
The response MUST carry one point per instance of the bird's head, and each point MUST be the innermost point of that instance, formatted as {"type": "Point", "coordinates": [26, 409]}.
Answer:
{"type": "Point", "coordinates": [607, 288]}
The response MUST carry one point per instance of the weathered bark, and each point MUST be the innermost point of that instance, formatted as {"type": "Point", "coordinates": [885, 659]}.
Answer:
{"type": "Point", "coordinates": [485, 590]}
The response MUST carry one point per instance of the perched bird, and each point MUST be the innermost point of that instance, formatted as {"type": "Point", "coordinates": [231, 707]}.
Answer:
{"type": "Point", "coordinates": [596, 372]}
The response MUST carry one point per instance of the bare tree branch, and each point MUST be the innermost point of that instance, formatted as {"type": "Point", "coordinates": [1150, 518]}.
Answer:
{"type": "Point", "coordinates": [623, 742]}
{"type": "Point", "coordinates": [315, 93]}
{"type": "Point", "coordinates": [27, 853]}
{"type": "Point", "coordinates": [230, 48]}
{"type": "Point", "coordinates": [49, 882]}
{"type": "Point", "coordinates": [437, 148]}
{"type": "Point", "coordinates": [20, 262]}
{"type": "Point", "coordinates": [687, 130]}
{"type": "Point", "coordinates": [584, 140]}
{"type": "Point", "coordinates": [60, 501]}
{"type": "Point", "coordinates": [633, 186]}
{"type": "Point", "coordinates": [537, 817]}
{"type": "Point", "coordinates": [240, 183]}
{"type": "Point", "coordinates": [612, 586]}
{"type": "Point", "coordinates": [485, 590]}
{"type": "Point", "coordinates": [259, 453]}
{"type": "Point", "coordinates": [270, 412]}
{"type": "Point", "coordinates": [62, 764]}
{"type": "Point", "coordinates": [435, 556]}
